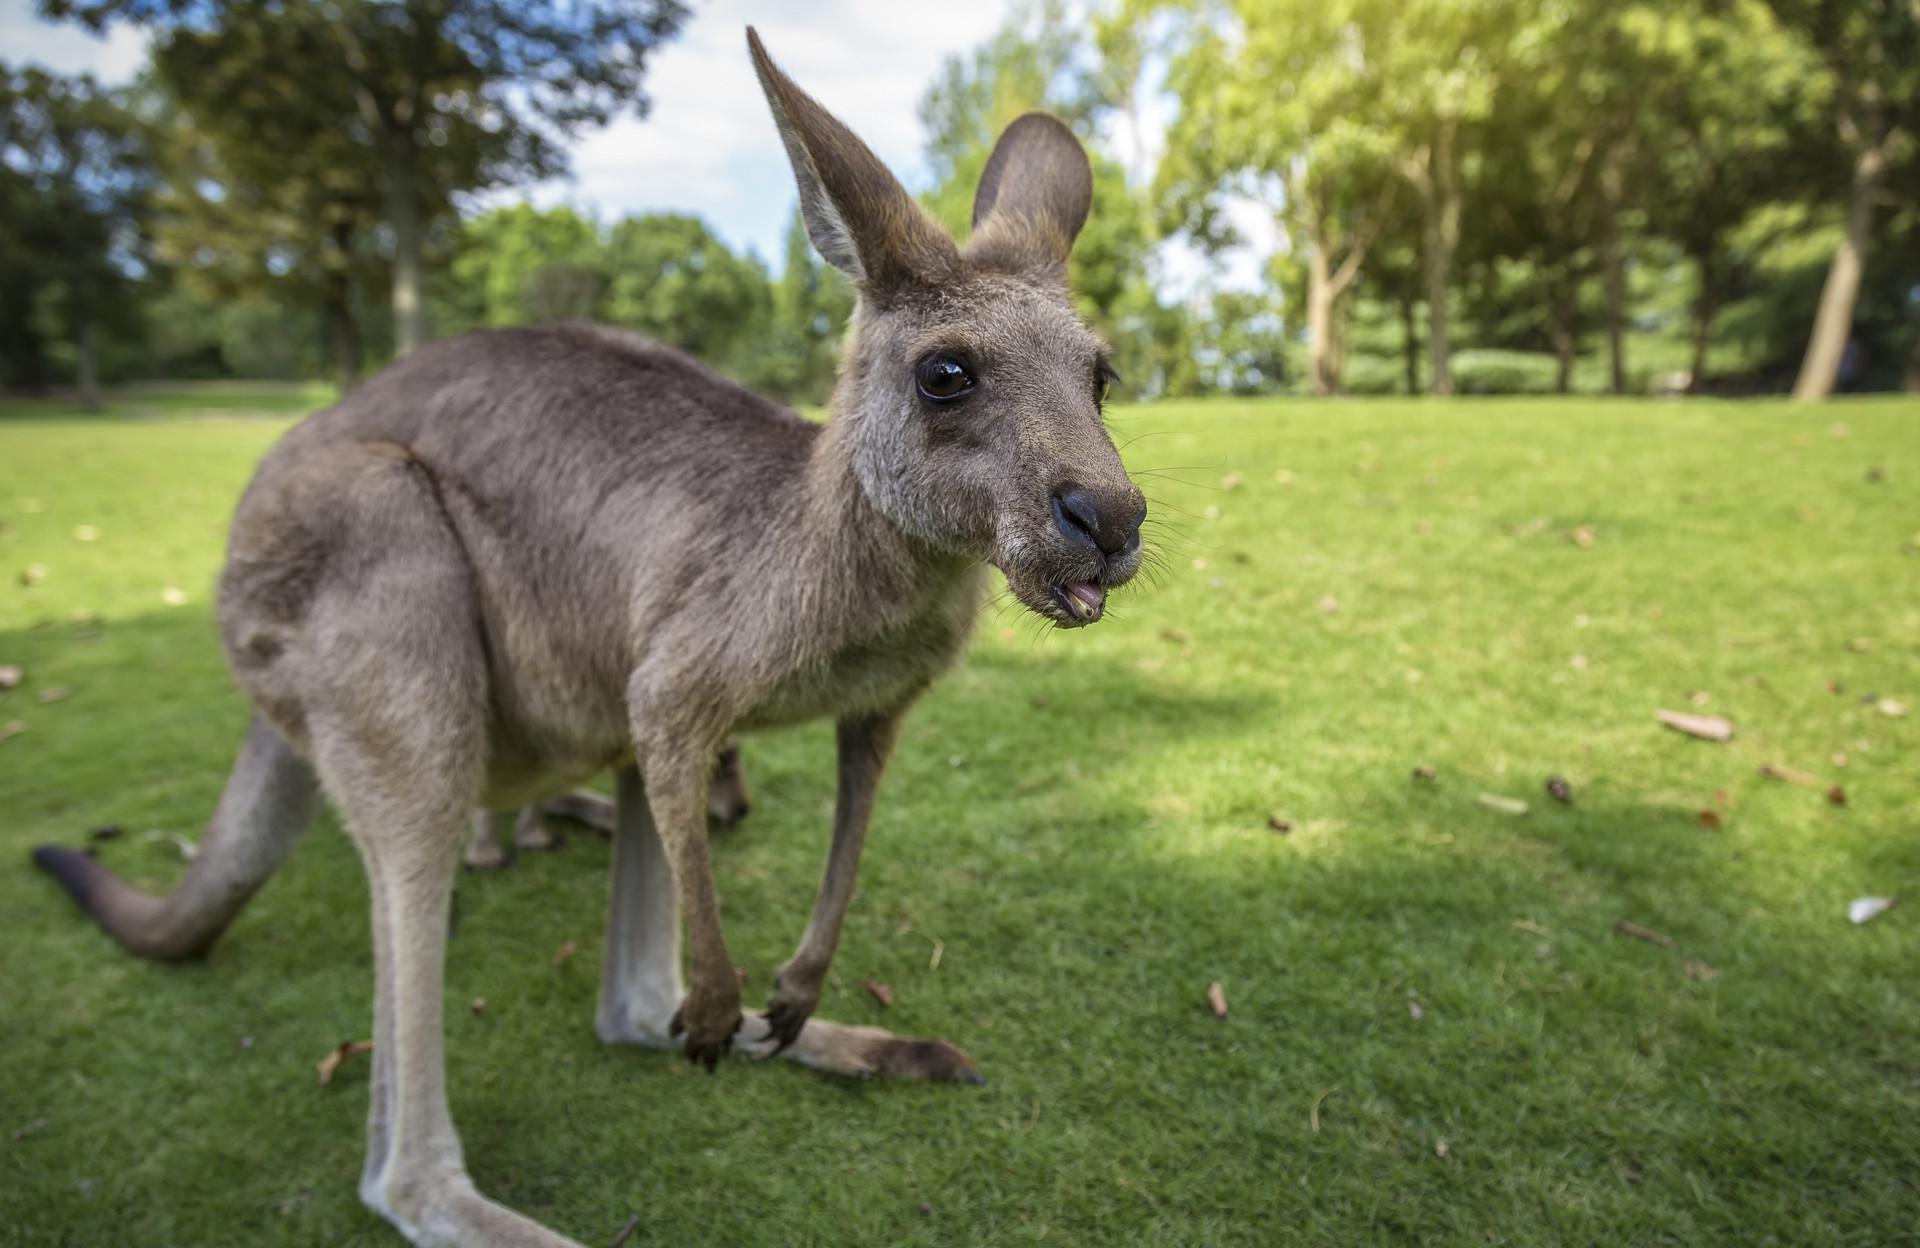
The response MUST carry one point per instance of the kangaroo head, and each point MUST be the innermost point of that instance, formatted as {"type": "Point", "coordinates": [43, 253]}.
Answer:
{"type": "Point", "coordinates": [970, 391]}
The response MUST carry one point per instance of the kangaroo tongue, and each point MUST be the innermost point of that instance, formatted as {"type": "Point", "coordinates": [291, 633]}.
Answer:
{"type": "Point", "coordinates": [1085, 598]}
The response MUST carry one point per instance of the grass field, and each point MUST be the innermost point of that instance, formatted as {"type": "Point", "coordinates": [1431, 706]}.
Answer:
{"type": "Point", "coordinates": [1436, 1033]}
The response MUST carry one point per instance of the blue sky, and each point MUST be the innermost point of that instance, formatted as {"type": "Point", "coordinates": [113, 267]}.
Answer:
{"type": "Point", "coordinates": [708, 147]}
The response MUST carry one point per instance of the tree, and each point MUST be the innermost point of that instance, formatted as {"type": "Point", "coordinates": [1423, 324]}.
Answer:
{"type": "Point", "coordinates": [1277, 102]}
{"type": "Point", "coordinates": [520, 265]}
{"type": "Point", "coordinates": [1729, 89]}
{"type": "Point", "coordinates": [812, 302]}
{"type": "Point", "coordinates": [1871, 52]}
{"type": "Point", "coordinates": [258, 159]}
{"type": "Point", "coordinates": [674, 280]}
{"type": "Point", "coordinates": [508, 80]}
{"type": "Point", "coordinates": [78, 174]}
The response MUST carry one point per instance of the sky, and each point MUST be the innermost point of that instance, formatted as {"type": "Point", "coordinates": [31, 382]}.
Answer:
{"type": "Point", "coordinates": [707, 146]}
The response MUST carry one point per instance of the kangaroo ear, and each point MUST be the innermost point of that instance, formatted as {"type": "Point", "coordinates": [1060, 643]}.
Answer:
{"type": "Point", "coordinates": [1033, 198]}
{"type": "Point", "coordinates": [858, 215]}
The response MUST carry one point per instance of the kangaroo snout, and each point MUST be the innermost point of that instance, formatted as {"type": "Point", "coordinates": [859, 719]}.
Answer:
{"type": "Point", "coordinates": [1109, 522]}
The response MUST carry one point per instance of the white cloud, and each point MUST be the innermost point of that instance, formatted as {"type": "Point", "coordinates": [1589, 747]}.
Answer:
{"type": "Point", "coordinates": [67, 48]}
{"type": "Point", "coordinates": [708, 146]}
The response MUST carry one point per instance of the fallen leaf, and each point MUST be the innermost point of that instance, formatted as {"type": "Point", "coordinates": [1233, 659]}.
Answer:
{"type": "Point", "coordinates": [1643, 933]}
{"type": "Point", "coordinates": [340, 1053]}
{"type": "Point", "coordinates": [1414, 1011]}
{"type": "Point", "coordinates": [1705, 727]}
{"type": "Point", "coordinates": [174, 596]}
{"type": "Point", "coordinates": [883, 993]}
{"type": "Point", "coordinates": [1864, 908]}
{"type": "Point", "coordinates": [1424, 772]}
{"type": "Point", "coordinates": [11, 729]}
{"type": "Point", "coordinates": [1529, 926]}
{"type": "Point", "coordinates": [1836, 688]}
{"type": "Point", "coordinates": [1839, 758]}
{"type": "Point", "coordinates": [1280, 825]}
{"type": "Point", "coordinates": [478, 1006]}
{"type": "Point", "coordinates": [1721, 798]}
{"type": "Point", "coordinates": [1232, 481]}
{"type": "Point", "coordinates": [1007, 634]}
{"type": "Point", "coordinates": [186, 846]}
{"type": "Point", "coordinates": [1559, 790]}
{"type": "Point", "coordinates": [1200, 565]}
{"type": "Point", "coordinates": [1327, 605]}
{"type": "Point", "coordinates": [11, 676]}
{"type": "Point", "coordinates": [1174, 635]}
{"type": "Point", "coordinates": [1709, 819]}
{"type": "Point", "coordinates": [1890, 708]}
{"type": "Point", "coordinates": [1837, 796]}
{"type": "Point", "coordinates": [1217, 999]}
{"type": "Point", "coordinates": [1698, 970]}
{"type": "Point", "coordinates": [86, 533]}
{"type": "Point", "coordinates": [109, 832]}
{"type": "Point", "coordinates": [566, 950]}
{"type": "Point", "coordinates": [1313, 1114]}
{"type": "Point", "coordinates": [1578, 662]}
{"type": "Point", "coordinates": [33, 574]}
{"type": "Point", "coordinates": [1505, 805]}
{"type": "Point", "coordinates": [1699, 697]}
{"type": "Point", "coordinates": [1792, 775]}
{"type": "Point", "coordinates": [1860, 645]}
{"type": "Point", "coordinates": [1582, 536]}
{"type": "Point", "coordinates": [47, 697]}
{"type": "Point", "coordinates": [1876, 475]}
{"type": "Point", "coordinates": [1439, 1148]}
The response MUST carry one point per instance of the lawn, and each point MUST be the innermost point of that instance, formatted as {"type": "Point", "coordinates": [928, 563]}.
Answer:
{"type": "Point", "coordinates": [1436, 1033]}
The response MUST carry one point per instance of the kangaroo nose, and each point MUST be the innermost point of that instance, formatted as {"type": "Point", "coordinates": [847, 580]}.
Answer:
{"type": "Point", "coordinates": [1110, 528]}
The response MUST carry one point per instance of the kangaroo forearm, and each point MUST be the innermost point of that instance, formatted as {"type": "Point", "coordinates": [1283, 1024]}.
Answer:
{"type": "Point", "coordinates": [864, 746]}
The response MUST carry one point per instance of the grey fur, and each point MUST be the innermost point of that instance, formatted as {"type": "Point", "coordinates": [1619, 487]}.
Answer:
{"type": "Point", "coordinates": [518, 558]}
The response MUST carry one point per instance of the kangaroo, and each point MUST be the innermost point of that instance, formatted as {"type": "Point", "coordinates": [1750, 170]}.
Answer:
{"type": "Point", "coordinates": [517, 558]}
{"type": "Point", "coordinates": [487, 847]}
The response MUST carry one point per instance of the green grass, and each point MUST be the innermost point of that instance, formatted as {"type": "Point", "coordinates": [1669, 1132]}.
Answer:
{"type": "Point", "coordinates": [1081, 821]}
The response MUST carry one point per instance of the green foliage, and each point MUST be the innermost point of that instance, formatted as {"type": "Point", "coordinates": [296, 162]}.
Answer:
{"type": "Point", "coordinates": [1078, 822]}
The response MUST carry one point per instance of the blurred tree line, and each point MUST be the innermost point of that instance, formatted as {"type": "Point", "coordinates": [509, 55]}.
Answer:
{"type": "Point", "coordinates": [1474, 195]}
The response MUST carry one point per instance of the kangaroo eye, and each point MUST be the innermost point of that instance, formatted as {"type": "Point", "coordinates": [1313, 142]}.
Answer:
{"type": "Point", "coordinates": [942, 379]}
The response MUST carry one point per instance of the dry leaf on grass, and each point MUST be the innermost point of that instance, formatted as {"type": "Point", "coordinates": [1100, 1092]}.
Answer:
{"type": "Point", "coordinates": [174, 596]}
{"type": "Point", "coordinates": [1559, 790]}
{"type": "Point", "coordinates": [85, 533]}
{"type": "Point", "coordinates": [106, 832]}
{"type": "Point", "coordinates": [1792, 775]}
{"type": "Point", "coordinates": [1582, 536]}
{"type": "Point", "coordinates": [1280, 825]}
{"type": "Point", "coordinates": [1699, 697]}
{"type": "Point", "coordinates": [1174, 635]}
{"type": "Point", "coordinates": [1837, 796]}
{"type": "Point", "coordinates": [11, 676]}
{"type": "Point", "coordinates": [1327, 605]}
{"type": "Point", "coordinates": [1705, 727]}
{"type": "Point", "coordinates": [1698, 970]}
{"type": "Point", "coordinates": [1505, 805]}
{"type": "Point", "coordinates": [1414, 1011]}
{"type": "Point", "coordinates": [329, 1064]}
{"type": "Point", "coordinates": [33, 574]}
{"type": "Point", "coordinates": [1890, 708]}
{"type": "Point", "coordinates": [1860, 645]}
{"type": "Point", "coordinates": [1643, 933]}
{"type": "Point", "coordinates": [47, 697]}
{"type": "Point", "coordinates": [11, 729]}
{"type": "Point", "coordinates": [478, 1006]}
{"type": "Point", "coordinates": [883, 993]}
{"type": "Point", "coordinates": [565, 951]}
{"type": "Point", "coordinates": [185, 844]}
{"type": "Point", "coordinates": [1217, 999]}
{"type": "Point", "coordinates": [1232, 481]}
{"type": "Point", "coordinates": [1709, 819]}
{"type": "Point", "coordinates": [1863, 908]}
{"type": "Point", "coordinates": [1424, 772]}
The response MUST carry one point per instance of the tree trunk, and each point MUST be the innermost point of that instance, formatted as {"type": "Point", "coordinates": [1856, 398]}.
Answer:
{"type": "Point", "coordinates": [1440, 188]}
{"type": "Point", "coordinates": [1410, 344]}
{"type": "Point", "coordinates": [1320, 323]}
{"type": "Point", "coordinates": [1912, 379]}
{"type": "Point", "coordinates": [343, 334]}
{"type": "Point", "coordinates": [1612, 193]}
{"type": "Point", "coordinates": [1833, 324]}
{"type": "Point", "coordinates": [410, 329]}
{"type": "Point", "coordinates": [1705, 306]}
{"type": "Point", "coordinates": [83, 334]}
{"type": "Point", "coordinates": [1563, 334]}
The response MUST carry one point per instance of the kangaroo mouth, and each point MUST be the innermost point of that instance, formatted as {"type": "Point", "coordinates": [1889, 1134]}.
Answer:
{"type": "Point", "coordinates": [1083, 602]}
